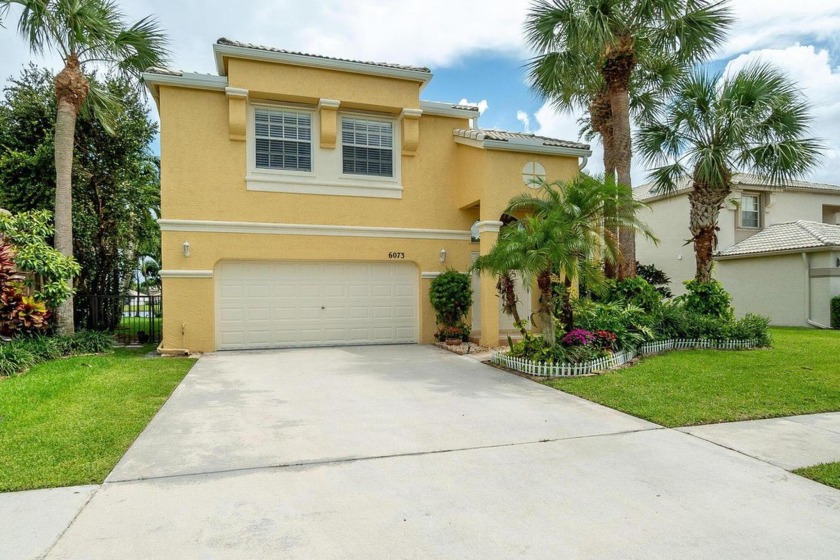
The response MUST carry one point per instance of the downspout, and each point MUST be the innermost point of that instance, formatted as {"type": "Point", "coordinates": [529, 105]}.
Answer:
{"type": "Point", "coordinates": [583, 161]}
{"type": "Point", "coordinates": [808, 320]}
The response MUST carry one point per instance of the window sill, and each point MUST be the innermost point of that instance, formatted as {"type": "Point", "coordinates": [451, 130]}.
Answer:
{"type": "Point", "coordinates": [377, 189]}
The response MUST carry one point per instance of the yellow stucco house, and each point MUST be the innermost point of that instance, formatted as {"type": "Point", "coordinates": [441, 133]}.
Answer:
{"type": "Point", "coordinates": [310, 201]}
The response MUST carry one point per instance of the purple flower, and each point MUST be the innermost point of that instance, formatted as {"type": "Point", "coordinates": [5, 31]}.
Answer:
{"type": "Point", "coordinates": [579, 337]}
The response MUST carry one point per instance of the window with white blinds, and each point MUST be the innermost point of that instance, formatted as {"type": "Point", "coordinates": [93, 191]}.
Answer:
{"type": "Point", "coordinates": [367, 147]}
{"type": "Point", "coordinates": [283, 139]}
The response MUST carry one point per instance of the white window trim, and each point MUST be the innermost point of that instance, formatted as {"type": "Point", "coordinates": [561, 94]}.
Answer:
{"type": "Point", "coordinates": [741, 225]}
{"type": "Point", "coordinates": [315, 139]}
{"type": "Point", "coordinates": [326, 178]}
{"type": "Point", "coordinates": [396, 147]}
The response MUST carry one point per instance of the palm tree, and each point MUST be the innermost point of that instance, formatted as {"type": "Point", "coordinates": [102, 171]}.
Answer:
{"type": "Point", "coordinates": [563, 236]}
{"type": "Point", "coordinates": [615, 37]}
{"type": "Point", "coordinates": [84, 33]}
{"type": "Point", "coordinates": [754, 120]}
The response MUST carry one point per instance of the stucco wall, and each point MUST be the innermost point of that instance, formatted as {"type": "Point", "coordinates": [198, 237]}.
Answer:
{"type": "Point", "coordinates": [446, 186]}
{"type": "Point", "coordinates": [668, 219]}
{"type": "Point", "coordinates": [773, 286]}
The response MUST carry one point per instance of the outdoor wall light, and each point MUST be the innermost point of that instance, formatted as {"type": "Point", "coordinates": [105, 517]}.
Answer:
{"type": "Point", "coordinates": [838, 262]}
{"type": "Point", "coordinates": [186, 248]}
{"type": "Point", "coordinates": [443, 255]}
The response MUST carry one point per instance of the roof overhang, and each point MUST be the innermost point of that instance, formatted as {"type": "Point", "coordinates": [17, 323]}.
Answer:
{"type": "Point", "coordinates": [154, 79]}
{"type": "Point", "coordinates": [523, 146]}
{"type": "Point", "coordinates": [247, 53]}
{"type": "Point", "coordinates": [440, 109]}
{"type": "Point", "coordinates": [817, 249]}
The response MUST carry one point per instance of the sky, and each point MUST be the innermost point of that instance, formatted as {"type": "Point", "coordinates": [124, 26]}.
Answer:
{"type": "Point", "coordinates": [477, 52]}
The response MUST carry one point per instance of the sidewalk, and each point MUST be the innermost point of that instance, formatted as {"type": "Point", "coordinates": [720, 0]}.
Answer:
{"type": "Point", "coordinates": [791, 443]}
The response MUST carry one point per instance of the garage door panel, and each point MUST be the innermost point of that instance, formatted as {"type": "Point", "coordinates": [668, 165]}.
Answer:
{"type": "Point", "coordinates": [287, 304]}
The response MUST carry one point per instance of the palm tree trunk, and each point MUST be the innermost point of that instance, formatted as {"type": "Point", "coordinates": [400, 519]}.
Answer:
{"type": "Point", "coordinates": [703, 223]}
{"type": "Point", "coordinates": [71, 89]}
{"type": "Point", "coordinates": [507, 288]}
{"type": "Point", "coordinates": [546, 308]}
{"type": "Point", "coordinates": [601, 115]}
{"type": "Point", "coordinates": [568, 317]}
{"type": "Point", "coordinates": [617, 69]}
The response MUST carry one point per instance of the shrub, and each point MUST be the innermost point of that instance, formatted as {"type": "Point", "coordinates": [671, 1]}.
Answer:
{"type": "Point", "coordinates": [533, 347]}
{"type": "Point", "coordinates": [630, 324]}
{"type": "Point", "coordinates": [633, 291]}
{"type": "Point", "coordinates": [655, 278]}
{"type": "Point", "coordinates": [460, 331]}
{"type": "Point", "coordinates": [835, 312]}
{"type": "Point", "coordinates": [707, 298]}
{"type": "Point", "coordinates": [24, 352]}
{"type": "Point", "coordinates": [751, 327]}
{"type": "Point", "coordinates": [579, 337]}
{"type": "Point", "coordinates": [15, 359]}
{"type": "Point", "coordinates": [451, 296]}
{"type": "Point", "coordinates": [92, 342]}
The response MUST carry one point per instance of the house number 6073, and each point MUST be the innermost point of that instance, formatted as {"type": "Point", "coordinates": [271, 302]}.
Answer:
{"type": "Point", "coordinates": [396, 255]}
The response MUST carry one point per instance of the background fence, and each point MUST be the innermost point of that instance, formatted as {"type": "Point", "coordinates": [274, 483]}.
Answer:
{"type": "Point", "coordinates": [133, 318]}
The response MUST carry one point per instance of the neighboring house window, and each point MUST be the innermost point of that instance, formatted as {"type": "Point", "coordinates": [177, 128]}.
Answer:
{"type": "Point", "coordinates": [283, 139]}
{"type": "Point", "coordinates": [750, 217]}
{"type": "Point", "coordinates": [367, 147]}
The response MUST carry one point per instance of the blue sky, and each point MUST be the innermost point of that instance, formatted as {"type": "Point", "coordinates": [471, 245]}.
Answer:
{"type": "Point", "coordinates": [476, 49]}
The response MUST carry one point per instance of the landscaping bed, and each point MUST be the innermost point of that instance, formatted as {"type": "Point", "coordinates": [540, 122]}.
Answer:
{"type": "Point", "coordinates": [68, 421]}
{"type": "Point", "coordinates": [799, 375]}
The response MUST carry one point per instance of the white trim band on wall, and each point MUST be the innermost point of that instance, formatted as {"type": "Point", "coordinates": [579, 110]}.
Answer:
{"type": "Point", "coordinates": [490, 226]}
{"type": "Point", "coordinates": [186, 274]}
{"type": "Point", "coordinates": [430, 275]}
{"type": "Point", "coordinates": [201, 226]}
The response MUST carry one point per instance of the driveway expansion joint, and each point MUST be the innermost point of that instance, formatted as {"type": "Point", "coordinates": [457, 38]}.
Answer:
{"type": "Point", "coordinates": [323, 462]}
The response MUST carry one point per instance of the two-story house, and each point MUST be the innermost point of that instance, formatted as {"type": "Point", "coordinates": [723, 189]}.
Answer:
{"type": "Point", "coordinates": [778, 248]}
{"type": "Point", "coordinates": [309, 200]}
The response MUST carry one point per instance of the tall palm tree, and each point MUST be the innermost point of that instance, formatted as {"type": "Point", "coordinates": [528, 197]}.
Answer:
{"type": "Point", "coordinates": [614, 37]}
{"type": "Point", "coordinates": [755, 120]}
{"type": "Point", "coordinates": [565, 233]}
{"type": "Point", "coordinates": [84, 33]}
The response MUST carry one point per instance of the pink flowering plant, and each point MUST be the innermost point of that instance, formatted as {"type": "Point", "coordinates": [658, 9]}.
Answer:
{"type": "Point", "coordinates": [578, 337]}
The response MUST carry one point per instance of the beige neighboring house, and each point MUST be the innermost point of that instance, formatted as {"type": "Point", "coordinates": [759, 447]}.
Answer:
{"type": "Point", "coordinates": [778, 248]}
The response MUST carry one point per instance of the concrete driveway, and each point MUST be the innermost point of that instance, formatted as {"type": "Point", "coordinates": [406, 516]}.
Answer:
{"type": "Point", "coordinates": [411, 452]}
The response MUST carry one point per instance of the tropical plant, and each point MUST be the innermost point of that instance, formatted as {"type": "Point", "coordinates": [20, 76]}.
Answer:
{"type": "Point", "coordinates": [707, 298]}
{"type": "Point", "coordinates": [47, 273]}
{"type": "Point", "coordinates": [635, 291]}
{"type": "Point", "coordinates": [84, 33]}
{"type": "Point", "coordinates": [755, 120]}
{"type": "Point", "coordinates": [588, 53]}
{"type": "Point", "coordinates": [19, 312]}
{"type": "Point", "coordinates": [656, 278]}
{"type": "Point", "coordinates": [561, 240]}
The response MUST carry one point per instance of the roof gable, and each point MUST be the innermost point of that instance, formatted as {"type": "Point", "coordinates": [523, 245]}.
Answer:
{"type": "Point", "coordinates": [786, 237]}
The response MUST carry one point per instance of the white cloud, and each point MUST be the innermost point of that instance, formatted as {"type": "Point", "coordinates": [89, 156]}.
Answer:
{"type": "Point", "coordinates": [778, 23]}
{"type": "Point", "coordinates": [482, 105]}
{"type": "Point", "coordinates": [811, 70]}
{"type": "Point", "coordinates": [523, 117]}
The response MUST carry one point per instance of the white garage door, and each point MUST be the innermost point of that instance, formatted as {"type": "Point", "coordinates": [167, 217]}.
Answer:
{"type": "Point", "coordinates": [289, 304]}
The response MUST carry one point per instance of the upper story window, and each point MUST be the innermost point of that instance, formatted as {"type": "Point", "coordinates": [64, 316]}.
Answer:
{"type": "Point", "coordinates": [367, 147]}
{"type": "Point", "coordinates": [750, 215]}
{"type": "Point", "coordinates": [283, 139]}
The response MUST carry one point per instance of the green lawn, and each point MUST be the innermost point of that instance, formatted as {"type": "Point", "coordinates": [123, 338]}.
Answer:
{"type": "Point", "coordinates": [69, 421]}
{"type": "Point", "coordinates": [827, 473]}
{"type": "Point", "coordinates": [799, 375]}
{"type": "Point", "coordinates": [130, 326]}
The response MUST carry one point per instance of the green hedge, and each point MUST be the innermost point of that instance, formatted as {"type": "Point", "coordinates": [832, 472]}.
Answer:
{"type": "Point", "coordinates": [835, 312]}
{"type": "Point", "coordinates": [17, 356]}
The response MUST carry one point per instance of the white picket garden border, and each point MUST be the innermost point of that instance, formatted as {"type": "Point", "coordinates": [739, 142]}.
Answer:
{"type": "Point", "coordinates": [618, 359]}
